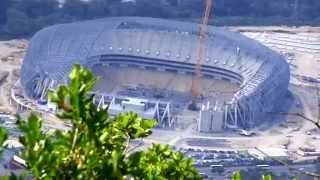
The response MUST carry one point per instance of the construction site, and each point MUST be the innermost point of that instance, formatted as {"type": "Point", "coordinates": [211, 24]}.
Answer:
{"type": "Point", "coordinates": [217, 93]}
{"type": "Point", "coordinates": [287, 131]}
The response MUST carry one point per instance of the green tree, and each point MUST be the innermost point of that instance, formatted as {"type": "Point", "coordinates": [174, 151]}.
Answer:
{"type": "Point", "coordinates": [253, 175]}
{"type": "Point", "coordinates": [4, 5]}
{"type": "Point", "coordinates": [97, 8]}
{"type": "Point", "coordinates": [97, 145]}
{"type": "Point", "coordinates": [18, 23]}
{"type": "Point", "coordinates": [232, 8]}
{"type": "Point", "coordinates": [75, 8]}
{"type": "Point", "coordinates": [149, 8]}
{"type": "Point", "coordinates": [36, 8]}
{"type": "Point", "coordinates": [236, 176]}
{"type": "Point", "coordinates": [3, 138]}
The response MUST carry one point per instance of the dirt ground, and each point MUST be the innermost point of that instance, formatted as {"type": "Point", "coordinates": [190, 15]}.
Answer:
{"type": "Point", "coordinates": [302, 48]}
{"type": "Point", "coordinates": [11, 56]}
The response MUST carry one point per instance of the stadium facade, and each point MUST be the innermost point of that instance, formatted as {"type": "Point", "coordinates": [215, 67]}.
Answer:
{"type": "Point", "coordinates": [262, 74]}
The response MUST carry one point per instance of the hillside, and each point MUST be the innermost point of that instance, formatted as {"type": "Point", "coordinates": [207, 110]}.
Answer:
{"type": "Point", "coordinates": [23, 18]}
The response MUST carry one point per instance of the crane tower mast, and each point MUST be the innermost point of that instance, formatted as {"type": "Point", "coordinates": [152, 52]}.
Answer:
{"type": "Point", "coordinates": [196, 86]}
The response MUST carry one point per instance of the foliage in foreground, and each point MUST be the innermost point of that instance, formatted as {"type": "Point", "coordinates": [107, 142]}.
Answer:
{"type": "Point", "coordinates": [238, 176]}
{"type": "Point", "coordinates": [3, 138]}
{"type": "Point", "coordinates": [97, 145]}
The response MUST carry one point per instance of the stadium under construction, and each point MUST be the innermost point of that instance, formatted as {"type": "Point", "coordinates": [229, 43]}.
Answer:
{"type": "Point", "coordinates": [147, 65]}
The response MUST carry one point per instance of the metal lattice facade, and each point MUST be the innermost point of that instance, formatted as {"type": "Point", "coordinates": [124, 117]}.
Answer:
{"type": "Point", "coordinates": [263, 74]}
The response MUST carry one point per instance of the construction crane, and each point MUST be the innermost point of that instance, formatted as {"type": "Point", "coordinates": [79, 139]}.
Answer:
{"type": "Point", "coordinates": [196, 86]}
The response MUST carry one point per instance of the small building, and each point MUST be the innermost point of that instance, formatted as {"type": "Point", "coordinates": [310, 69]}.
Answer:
{"type": "Point", "coordinates": [17, 163]}
{"type": "Point", "coordinates": [210, 119]}
{"type": "Point", "coordinates": [205, 120]}
{"type": "Point", "coordinates": [12, 144]}
{"type": "Point", "coordinates": [267, 154]}
{"type": "Point", "coordinates": [308, 152]}
{"type": "Point", "coordinates": [140, 106]}
{"type": "Point", "coordinates": [52, 106]}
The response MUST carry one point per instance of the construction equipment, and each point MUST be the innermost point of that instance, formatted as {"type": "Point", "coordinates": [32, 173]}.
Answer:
{"type": "Point", "coordinates": [196, 86]}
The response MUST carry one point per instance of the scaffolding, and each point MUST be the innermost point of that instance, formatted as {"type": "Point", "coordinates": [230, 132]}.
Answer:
{"type": "Point", "coordinates": [161, 111]}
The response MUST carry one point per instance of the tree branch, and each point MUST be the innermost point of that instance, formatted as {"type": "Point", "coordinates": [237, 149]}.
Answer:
{"type": "Point", "coordinates": [127, 143]}
{"type": "Point", "coordinates": [317, 123]}
{"type": "Point", "coordinates": [74, 139]}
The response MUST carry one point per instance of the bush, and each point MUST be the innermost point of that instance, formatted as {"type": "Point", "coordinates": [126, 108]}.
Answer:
{"type": "Point", "coordinates": [97, 145]}
{"type": "Point", "coordinates": [18, 23]}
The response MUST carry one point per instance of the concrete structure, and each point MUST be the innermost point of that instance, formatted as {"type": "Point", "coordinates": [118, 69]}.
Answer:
{"type": "Point", "coordinates": [205, 120]}
{"type": "Point", "coordinates": [12, 144]}
{"type": "Point", "coordinates": [263, 75]}
{"type": "Point", "coordinates": [136, 105]}
{"type": "Point", "coordinates": [308, 152]}
{"type": "Point", "coordinates": [211, 119]}
{"type": "Point", "coordinates": [267, 154]}
{"type": "Point", "coordinates": [144, 108]}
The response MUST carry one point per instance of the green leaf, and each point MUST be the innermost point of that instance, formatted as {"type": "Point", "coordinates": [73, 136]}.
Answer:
{"type": "Point", "coordinates": [268, 177]}
{"type": "Point", "coordinates": [3, 138]}
{"type": "Point", "coordinates": [95, 146]}
{"type": "Point", "coordinates": [148, 124]}
{"type": "Point", "coordinates": [236, 176]}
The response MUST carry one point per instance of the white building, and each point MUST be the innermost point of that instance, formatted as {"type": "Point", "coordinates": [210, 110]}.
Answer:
{"type": "Point", "coordinates": [269, 153]}
{"type": "Point", "coordinates": [139, 106]}
{"type": "Point", "coordinates": [211, 119]}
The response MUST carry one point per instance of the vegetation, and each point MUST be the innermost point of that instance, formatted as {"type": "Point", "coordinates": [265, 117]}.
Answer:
{"type": "Point", "coordinates": [97, 145]}
{"type": "Point", "coordinates": [3, 138]}
{"type": "Point", "coordinates": [255, 173]}
{"type": "Point", "coordinates": [240, 176]}
{"type": "Point", "coordinates": [23, 18]}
